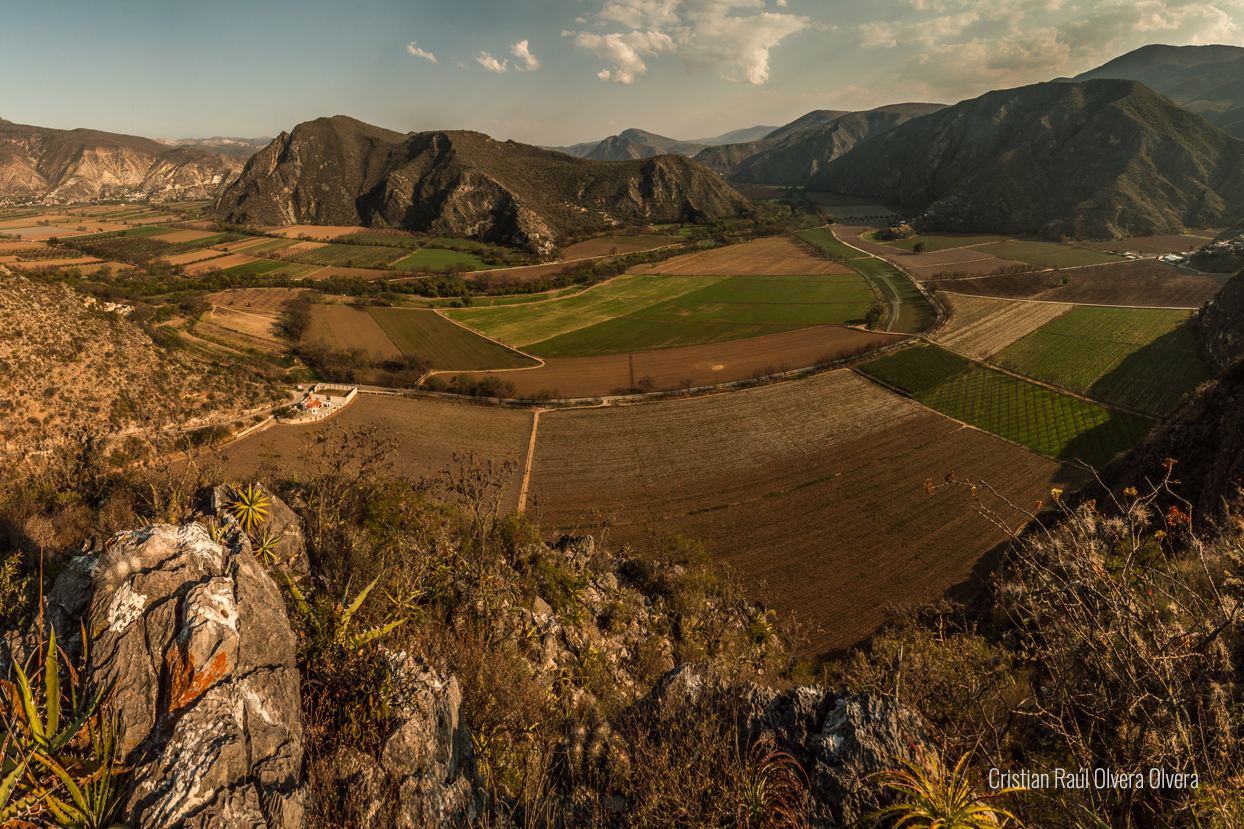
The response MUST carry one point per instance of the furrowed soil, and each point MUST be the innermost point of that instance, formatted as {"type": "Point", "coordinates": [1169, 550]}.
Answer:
{"type": "Point", "coordinates": [448, 345]}
{"type": "Point", "coordinates": [794, 486]}
{"type": "Point", "coordinates": [575, 377]}
{"type": "Point", "coordinates": [764, 257]}
{"type": "Point", "coordinates": [980, 327]}
{"type": "Point", "coordinates": [345, 326]}
{"type": "Point", "coordinates": [1138, 283]}
{"type": "Point", "coordinates": [221, 263]}
{"type": "Point", "coordinates": [427, 434]}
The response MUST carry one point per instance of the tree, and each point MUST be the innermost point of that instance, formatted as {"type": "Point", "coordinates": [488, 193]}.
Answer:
{"type": "Point", "coordinates": [918, 247]}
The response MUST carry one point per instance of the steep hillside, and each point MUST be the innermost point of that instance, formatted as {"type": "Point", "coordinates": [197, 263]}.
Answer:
{"type": "Point", "coordinates": [662, 143]}
{"type": "Point", "coordinates": [1208, 80]}
{"type": "Point", "coordinates": [81, 165]}
{"type": "Point", "coordinates": [1099, 159]}
{"type": "Point", "coordinates": [617, 148]}
{"type": "Point", "coordinates": [339, 171]}
{"type": "Point", "coordinates": [736, 136]}
{"type": "Point", "coordinates": [1205, 436]}
{"type": "Point", "coordinates": [795, 159]}
{"type": "Point", "coordinates": [812, 120]}
{"type": "Point", "coordinates": [65, 365]}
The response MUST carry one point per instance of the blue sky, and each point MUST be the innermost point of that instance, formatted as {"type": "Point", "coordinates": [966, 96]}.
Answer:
{"type": "Point", "coordinates": [555, 72]}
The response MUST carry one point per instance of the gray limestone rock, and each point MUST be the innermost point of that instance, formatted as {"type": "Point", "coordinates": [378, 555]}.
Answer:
{"type": "Point", "coordinates": [191, 643]}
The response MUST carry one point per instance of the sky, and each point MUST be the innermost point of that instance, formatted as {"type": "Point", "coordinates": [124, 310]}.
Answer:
{"type": "Point", "coordinates": [554, 72]}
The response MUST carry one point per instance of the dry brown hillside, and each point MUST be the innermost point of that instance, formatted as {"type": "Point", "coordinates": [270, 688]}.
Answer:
{"type": "Point", "coordinates": [65, 365]}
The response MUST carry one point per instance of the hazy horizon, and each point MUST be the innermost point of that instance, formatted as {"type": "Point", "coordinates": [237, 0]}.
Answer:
{"type": "Point", "coordinates": [569, 71]}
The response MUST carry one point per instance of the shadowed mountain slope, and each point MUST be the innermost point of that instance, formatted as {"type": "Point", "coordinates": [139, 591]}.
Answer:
{"type": "Point", "coordinates": [1099, 159]}
{"type": "Point", "coordinates": [1208, 80]}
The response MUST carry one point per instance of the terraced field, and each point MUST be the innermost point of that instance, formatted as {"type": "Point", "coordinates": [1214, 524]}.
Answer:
{"type": "Point", "coordinates": [1141, 358]}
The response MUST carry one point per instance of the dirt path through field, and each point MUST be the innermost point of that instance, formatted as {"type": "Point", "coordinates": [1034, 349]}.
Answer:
{"type": "Point", "coordinates": [896, 303]}
{"type": "Point", "coordinates": [531, 453]}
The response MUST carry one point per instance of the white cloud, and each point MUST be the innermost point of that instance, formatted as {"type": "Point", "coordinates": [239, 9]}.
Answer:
{"type": "Point", "coordinates": [624, 51]}
{"type": "Point", "coordinates": [490, 63]}
{"type": "Point", "coordinates": [968, 46]}
{"type": "Point", "coordinates": [737, 48]}
{"type": "Point", "coordinates": [413, 49]}
{"type": "Point", "coordinates": [520, 51]}
{"type": "Point", "coordinates": [707, 34]}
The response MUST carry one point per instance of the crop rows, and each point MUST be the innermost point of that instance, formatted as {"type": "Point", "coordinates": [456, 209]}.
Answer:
{"type": "Point", "coordinates": [349, 256]}
{"type": "Point", "coordinates": [1130, 356]}
{"type": "Point", "coordinates": [1054, 424]}
{"type": "Point", "coordinates": [916, 369]}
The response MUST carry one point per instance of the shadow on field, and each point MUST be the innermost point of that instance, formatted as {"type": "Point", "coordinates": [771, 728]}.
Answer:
{"type": "Point", "coordinates": [1155, 377]}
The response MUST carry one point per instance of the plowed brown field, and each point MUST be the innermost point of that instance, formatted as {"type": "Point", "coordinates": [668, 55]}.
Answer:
{"type": "Point", "coordinates": [185, 236]}
{"type": "Point", "coordinates": [221, 263]}
{"type": "Point", "coordinates": [980, 327]}
{"type": "Point", "coordinates": [427, 432]}
{"type": "Point", "coordinates": [1177, 243]}
{"type": "Point", "coordinates": [811, 490]}
{"type": "Point", "coordinates": [345, 326]}
{"type": "Point", "coordinates": [702, 364]}
{"type": "Point", "coordinates": [778, 256]}
{"type": "Point", "coordinates": [1141, 283]}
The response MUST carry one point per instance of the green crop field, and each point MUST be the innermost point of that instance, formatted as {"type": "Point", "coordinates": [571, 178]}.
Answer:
{"type": "Point", "coordinates": [450, 347]}
{"type": "Point", "coordinates": [260, 266]}
{"type": "Point", "coordinates": [824, 239]}
{"type": "Point", "coordinates": [918, 369]}
{"type": "Point", "coordinates": [1138, 357]}
{"type": "Point", "coordinates": [437, 258]}
{"type": "Point", "coordinates": [1055, 424]}
{"type": "Point", "coordinates": [1048, 254]}
{"type": "Point", "coordinates": [129, 233]}
{"type": "Point", "coordinates": [268, 247]}
{"type": "Point", "coordinates": [948, 241]}
{"type": "Point", "coordinates": [349, 256]}
{"type": "Point", "coordinates": [218, 239]}
{"type": "Point", "coordinates": [639, 312]}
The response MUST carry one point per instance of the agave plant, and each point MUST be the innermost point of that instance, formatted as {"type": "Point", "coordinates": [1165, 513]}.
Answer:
{"type": "Point", "coordinates": [773, 789]}
{"type": "Point", "coordinates": [334, 625]}
{"type": "Point", "coordinates": [37, 760]}
{"type": "Point", "coordinates": [934, 798]}
{"type": "Point", "coordinates": [250, 507]}
{"type": "Point", "coordinates": [265, 546]}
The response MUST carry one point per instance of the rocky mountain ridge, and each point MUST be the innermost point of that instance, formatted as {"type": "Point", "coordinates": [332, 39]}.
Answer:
{"type": "Point", "coordinates": [65, 166]}
{"type": "Point", "coordinates": [340, 171]}
{"type": "Point", "coordinates": [1098, 159]}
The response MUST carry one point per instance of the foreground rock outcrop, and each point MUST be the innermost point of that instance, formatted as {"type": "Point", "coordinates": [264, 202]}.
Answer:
{"type": "Point", "coordinates": [837, 739]}
{"type": "Point", "coordinates": [192, 645]}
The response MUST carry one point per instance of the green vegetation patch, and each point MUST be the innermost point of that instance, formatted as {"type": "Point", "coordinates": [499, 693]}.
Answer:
{"type": "Point", "coordinates": [350, 256]}
{"type": "Point", "coordinates": [626, 334]}
{"type": "Point", "coordinates": [521, 325]}
{"type": "Point", "coordinates": [437, 258]}
{"type": "Point", "coordinates": [948, 241]}
{"type": "Point", "coordinates": [450, 347]}
{"type": "Point", "coordinates": [1138, 357]}
{"type": "Point", "coordinates": [824, 239]}
{"type": "Point", "coordinates": [786, 290]}
{"type": "Point", "coordinates": [261, 266]}
{"type": "Point", "coordinates": [915, 370]}
{"type": "Point", "coordinates": [761, 313]}
{"type": "Point", "coordinates": [1048, 254]}
{"type": "Point", "coordinates": [1054, 424]}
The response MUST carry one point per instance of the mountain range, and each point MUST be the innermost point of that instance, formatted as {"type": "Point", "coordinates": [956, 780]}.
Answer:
{"type": "Point", "coordinates": [1096, 159]}
{"type": "Point", "coordinates": [339, 171]}
{"type": "Point", "coordinates": [81, 165]}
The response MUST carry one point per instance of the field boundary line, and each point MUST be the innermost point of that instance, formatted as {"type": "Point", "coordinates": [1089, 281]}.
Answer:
{"type": "Point", "coordinates": [1064, 302]}
{"type": "Point", "coordinates": [437, 311]}
{"type": "Point", "coordinates": [1052, 387]}
{"type": "Point", "coordinates": [941, 315]}
{"type": "Point", "coordinates": [531, 454]}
